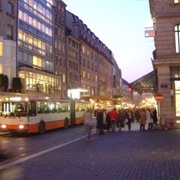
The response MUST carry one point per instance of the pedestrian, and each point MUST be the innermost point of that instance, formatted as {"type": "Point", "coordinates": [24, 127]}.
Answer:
{"type": "Point", "coordinates": [129, 117]}
{"type": "Point", "coordinates": [155, 119]}
{"type": "Point", "coordinates": [114, 115]}
{"type": "Point", "coordinates": [100, 121]}
{"type": "Point", "coordinates": [120, 122]}
{"type": "Point", "coordinates": [89, 123]}
{"type": "Point", "coordinates": [142, 119]}
{"type": "Point", "coordinates": [149, 119]}
{"type": "Point", "coordinates": [108, 121]}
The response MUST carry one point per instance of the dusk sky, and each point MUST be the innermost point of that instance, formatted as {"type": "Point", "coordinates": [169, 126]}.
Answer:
{"type": "Point", "coordinates": [119, 24]}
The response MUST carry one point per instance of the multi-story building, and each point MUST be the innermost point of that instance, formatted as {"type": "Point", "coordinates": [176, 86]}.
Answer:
{"type": "Point", "coordinates": [8, 36]}
{"type": "Point", "coordinates": [117, 81]}
{"type": "Point", "coordinates": [30, 27]}
{"type": "Point", "coordinates": [50, 50]}
{"type": "Point", "coordinates": [60, 63]}
{"type": "Point", "coordinates": [35, 51]}
{"type": "Point", "coordinates": [99, 72]}
{"type": "Point", "coordinates": [73, 60]}
{"type": "Point", "coordinates": [166, 17]}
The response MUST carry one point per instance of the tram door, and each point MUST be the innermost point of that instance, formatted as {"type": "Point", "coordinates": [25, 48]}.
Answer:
{"type": "Point", "coordinates": [72, 115]}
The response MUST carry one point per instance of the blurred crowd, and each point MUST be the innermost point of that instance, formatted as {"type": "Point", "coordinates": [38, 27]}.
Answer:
{"type": "Point", "coordinates": [112, 119]}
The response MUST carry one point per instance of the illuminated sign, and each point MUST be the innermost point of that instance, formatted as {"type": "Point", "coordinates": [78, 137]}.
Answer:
{"type": "Point", "coordinates": [75, 93]}
{"type": "Point", "coordinates": [149, 33]}
{"type": "Point", "coordinates": [15, 98]}
{"type": "Point", "coordinates": [149, 29]}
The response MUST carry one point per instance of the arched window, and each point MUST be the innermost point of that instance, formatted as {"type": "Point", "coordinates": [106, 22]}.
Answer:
{"type": "Point", "coordinates": [177, 38]}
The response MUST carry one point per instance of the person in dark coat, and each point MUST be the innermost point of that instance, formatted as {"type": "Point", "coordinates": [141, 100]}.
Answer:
{"type": "Point", "coordinates": [99, 118]}
{"type": "Point", "coordinates": [108, 121]}
{"type": "Point", "coordinates": [129, 117]}
{"type": "Point", "coordinates": [154, 117]}
{"type": "Point", "coordinates": [121, 119]}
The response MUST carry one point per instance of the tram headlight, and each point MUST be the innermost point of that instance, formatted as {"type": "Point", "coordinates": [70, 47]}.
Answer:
{"type": "Point", "coordinates": [3, 126]}
{"type": "Point", "coordinates": [21, 126]}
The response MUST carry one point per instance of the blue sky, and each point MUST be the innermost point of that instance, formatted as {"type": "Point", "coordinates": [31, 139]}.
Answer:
{"type": "Point", "coordinates": [120, 25]}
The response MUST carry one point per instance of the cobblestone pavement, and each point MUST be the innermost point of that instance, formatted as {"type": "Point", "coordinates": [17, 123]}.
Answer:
{"type": "Point", "coordinates": [134, 155]}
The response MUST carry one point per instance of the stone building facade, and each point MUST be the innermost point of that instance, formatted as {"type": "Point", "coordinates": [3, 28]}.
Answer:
{"type": "Point", "coordinates": [166, 18]}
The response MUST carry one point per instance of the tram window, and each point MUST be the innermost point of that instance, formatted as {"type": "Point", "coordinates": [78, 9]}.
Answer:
{"type": "Point", "coordinates": [58, 107]}
{"type": "Point", "coordinates": [19, 108]}
{"type": "Point", "coordinates": [32, 109]}
{"type": "Point", "coordinates": [52, 107]}
{"type": "Point", "coordinates": [40, 107]}
{"type": "Point", "coordinates": [46, 107]}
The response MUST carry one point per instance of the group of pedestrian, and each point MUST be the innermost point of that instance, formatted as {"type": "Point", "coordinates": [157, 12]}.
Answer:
{"type": "Point", "coordinates": [148, 116]}
{"type": "Point", "coordinates": [110, 119]}
{"type": "Point", "coordinates": [103, 119]}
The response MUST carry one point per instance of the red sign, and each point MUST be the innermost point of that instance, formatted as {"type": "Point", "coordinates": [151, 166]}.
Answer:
{"type": "Point", "coordinates": [149, 33]}
{"type": "Point", "coordinates": [159, 97]}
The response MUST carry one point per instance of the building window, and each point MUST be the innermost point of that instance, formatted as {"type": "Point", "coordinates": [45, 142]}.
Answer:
{"type": "Point", "coordinates": [83, 74]}
{"type": "Point", "coordinates": [177, 38]}
{"type": "Point", "coordinates": [10, 8]}
{"type": "Point", "coordinates": [9, 33]}
{"type": "Point", "coordinates": [177, 97]}
{"type": "Point", "coordinates": [37, 61]}
{"type": "Point", "coordinates": [1, 48]}
{"type": "Point", "coordinates": [176, 1]}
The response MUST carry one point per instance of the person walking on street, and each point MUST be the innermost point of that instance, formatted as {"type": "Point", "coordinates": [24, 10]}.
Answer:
{"type": "Point", "coordinates": [149, 119]}
{"type": "Point", "coordinates": [108, 121]}
{"type": "Point", "coordinates": [114, 116]}
{"type": "Point", "coordinates": [100, 121]}
{"type": "Point", "coordinates": [89, 123]}
{"type": "Point", "coordinates": [142, 119]}
{"type": "Point", "coordinates": [129, 119]}
{"type": "Point", "coordinates": [120, 121]}
{"type": "Point", "coordinates": [155, 118]}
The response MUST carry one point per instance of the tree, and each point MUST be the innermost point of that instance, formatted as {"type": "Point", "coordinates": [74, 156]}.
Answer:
{"type": "Point", "coordinates": [5, 82]}
{"type": "Point", "coordinates": [17, 85]}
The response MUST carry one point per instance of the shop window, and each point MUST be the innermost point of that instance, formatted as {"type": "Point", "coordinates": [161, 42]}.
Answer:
{"type": "Point", "coordinates": [1, 48]}
{"type": "Point", "coordinates": [177, 97]}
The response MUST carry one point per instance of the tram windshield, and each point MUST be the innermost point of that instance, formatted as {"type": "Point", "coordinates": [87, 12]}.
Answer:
{"type": "Point", "coordinates": [18, 108]}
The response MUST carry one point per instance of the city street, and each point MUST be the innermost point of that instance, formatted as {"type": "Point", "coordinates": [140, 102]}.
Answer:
{"type": "Point", "coordinates": [65, 154]}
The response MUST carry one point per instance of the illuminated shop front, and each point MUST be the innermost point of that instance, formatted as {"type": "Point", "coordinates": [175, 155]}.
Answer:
{"type": "Point", "coordinates": [177, 97]}
{"type": "Point", "coordinates": [34, 81]}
